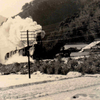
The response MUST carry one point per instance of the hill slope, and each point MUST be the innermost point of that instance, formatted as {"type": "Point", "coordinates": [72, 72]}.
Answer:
{"type": "Point", "coordinates": [79, 18]}
{"type": "Point", "coordinates": [84, 27]}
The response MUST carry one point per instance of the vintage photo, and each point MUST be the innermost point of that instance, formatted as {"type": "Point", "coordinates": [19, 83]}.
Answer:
{"type": "Point", "coordinates": [49, 49]}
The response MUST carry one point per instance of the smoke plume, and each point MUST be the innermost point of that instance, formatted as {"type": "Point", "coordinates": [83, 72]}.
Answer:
{"type": "Point", "coordinates": [10, 34]}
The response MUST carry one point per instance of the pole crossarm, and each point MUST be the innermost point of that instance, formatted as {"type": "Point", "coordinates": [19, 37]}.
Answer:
{"type": "Point", "coordinates": [29, 35]}
{"type": "Point", "coordinates": [31, 31]}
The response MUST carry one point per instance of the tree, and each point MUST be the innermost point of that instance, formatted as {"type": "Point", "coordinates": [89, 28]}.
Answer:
{"type": "Point", "coordinates": [25, 6]}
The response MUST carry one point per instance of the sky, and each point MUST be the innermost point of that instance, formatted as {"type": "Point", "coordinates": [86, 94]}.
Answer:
{"type": "Point", "coordinates": [9, 8]}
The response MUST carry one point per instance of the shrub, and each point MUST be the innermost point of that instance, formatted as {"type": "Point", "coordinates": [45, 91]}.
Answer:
{"type": "Point", "coordinates": [57, 67]}
{"type": "Point", "coordinates": [50, 69]}
{"type": "Point", "coordinates": [90, 65]}
{"type": "Point", "coordinates": [71, 64]}
{"type": "Point", "coordinates": [24, 71]}
{"type": "Point", "coordinates": [43, 68]}
{"type": "Point", "coordinates": [64, 69]}
{"type": "Point", "coordinates": [16, 67]}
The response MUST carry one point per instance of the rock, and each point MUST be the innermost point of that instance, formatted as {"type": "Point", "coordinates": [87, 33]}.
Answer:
{"type": "Point", "coordinates": [37, 73]}
{"type": "Point", "coordinates": [73, 74]}
{"type": "Point", "coordinates": [1, 73]}
{"type": "Point", "coordinates": [24, 66]}
{"type": "Point", "coordinates": [19, 73]}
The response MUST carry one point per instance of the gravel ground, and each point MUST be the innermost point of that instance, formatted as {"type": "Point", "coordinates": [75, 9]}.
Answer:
{"type": "Point", "coordinates": [37, 91]}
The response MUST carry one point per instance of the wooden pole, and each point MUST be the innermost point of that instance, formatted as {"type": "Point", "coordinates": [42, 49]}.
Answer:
{"type": "Point", "coordinates": [28, 47]}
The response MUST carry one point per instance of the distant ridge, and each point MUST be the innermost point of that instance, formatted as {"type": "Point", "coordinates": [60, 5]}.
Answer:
{"type": "Point", "coordinates": [2, 19]}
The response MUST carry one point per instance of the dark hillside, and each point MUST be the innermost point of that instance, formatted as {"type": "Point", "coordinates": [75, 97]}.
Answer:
{"type": "Point", "coordinates": [86, 25]}
{"type": "Point", "coordinates": [51, 27]}
{"type": "Point", "coordinates": [81, 22]}
{"type": "Point", "coordinates": [47, 12]}
{"type": "Point", "coordinates": [81, 27]}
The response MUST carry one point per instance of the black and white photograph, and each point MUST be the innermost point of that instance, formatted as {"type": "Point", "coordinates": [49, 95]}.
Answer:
{"type": "Point", "coordinates": [49, 49]}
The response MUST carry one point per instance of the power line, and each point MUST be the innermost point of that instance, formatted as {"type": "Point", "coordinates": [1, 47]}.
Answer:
{"type": "Point", "coordinates": [67, 38]}
{"type": "Point", "coordinates": [56, 39]}
{"type": "Point", "coordinates": [54, 36]}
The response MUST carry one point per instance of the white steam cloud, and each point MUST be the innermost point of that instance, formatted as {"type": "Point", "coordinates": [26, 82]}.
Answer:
{"type": "Point", "coordinates": [10, 34]}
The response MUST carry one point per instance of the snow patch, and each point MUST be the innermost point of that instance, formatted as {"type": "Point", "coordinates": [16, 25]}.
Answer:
{"type": "Point", "coordinates": [90, 45]}
{"type": "Point", "coordinates": [37, 73]}
{"type": "Point", "coordinates": [92, 75]}
{"type": "Point", "coordinates": [65, 60]}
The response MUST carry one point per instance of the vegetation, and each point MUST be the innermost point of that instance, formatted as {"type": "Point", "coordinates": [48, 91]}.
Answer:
{"type": "Point", "coordinates": [85, 26]}
{"type": "Point", "coordinates": [81, 22]}
{"type": "Point", "coordinates": [79, 27]}
{"type": "Point", "coordinates": [90, 65]}
{"type": "Point", "coordinates": [47, 12]}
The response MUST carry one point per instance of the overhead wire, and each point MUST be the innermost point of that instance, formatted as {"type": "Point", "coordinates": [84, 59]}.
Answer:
{"type": "Point", "coordinates": [68, 38]}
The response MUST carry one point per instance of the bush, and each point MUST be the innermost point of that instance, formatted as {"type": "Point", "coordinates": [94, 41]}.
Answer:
{"type": "Point", "coordinates": [64, 70]}
{"type": "Point", "coordinates": [50, 69]}
{"type": "Point", "coordinates": [71, 64]}
{"type": "Point", "coordinates": [86, 68]}
{"type": "Point", "coordinates": [90, 65]}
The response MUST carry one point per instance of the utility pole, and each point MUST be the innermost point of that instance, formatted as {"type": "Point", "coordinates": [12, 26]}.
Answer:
{"type": "Point", "coordinates": [28, 38]}
{"type": "Point", "coordinates": [28, 55]}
